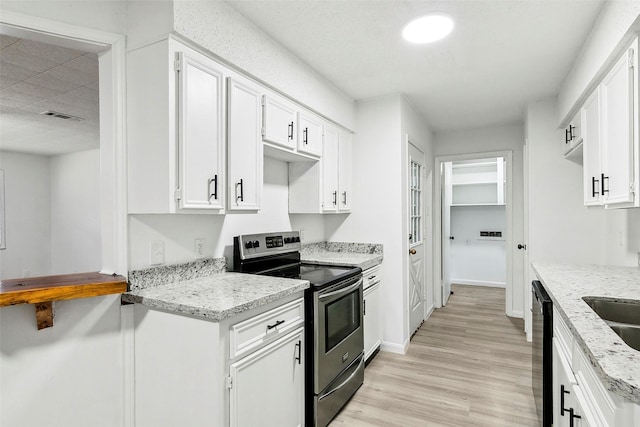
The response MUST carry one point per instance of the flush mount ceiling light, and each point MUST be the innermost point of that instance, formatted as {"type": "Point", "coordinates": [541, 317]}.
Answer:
{"type": "Point", "coordinates": [428, 29]}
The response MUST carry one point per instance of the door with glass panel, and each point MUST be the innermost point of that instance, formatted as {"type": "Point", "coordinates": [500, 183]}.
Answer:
{"type": "Point", "coordinates": [416, 264]}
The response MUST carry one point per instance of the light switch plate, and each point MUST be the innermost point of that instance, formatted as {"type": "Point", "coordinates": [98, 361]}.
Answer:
{"type": "Point", "coordinates": [156, 252]}
{"type": "Point", "coordinates": [199, 247]}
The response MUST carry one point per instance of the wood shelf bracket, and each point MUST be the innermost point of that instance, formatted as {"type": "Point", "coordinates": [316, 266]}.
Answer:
{"type": "Point", "coordinates": [44, 314]}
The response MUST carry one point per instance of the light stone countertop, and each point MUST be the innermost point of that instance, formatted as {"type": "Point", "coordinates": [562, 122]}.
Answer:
{"type": "Point", "coordinates": [218, 296]}
{"type": "Point", "coordinates": [363, 255]}
{"type": "Point", "coordinates": [617, 364]}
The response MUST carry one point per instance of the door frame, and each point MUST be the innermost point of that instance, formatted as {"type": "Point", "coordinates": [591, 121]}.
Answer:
{"type": "Point", "coordinates": [437, 221]}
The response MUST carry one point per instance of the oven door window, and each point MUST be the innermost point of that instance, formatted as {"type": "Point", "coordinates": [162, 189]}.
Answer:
{"type": "Point", "coordinates": [342, 317]}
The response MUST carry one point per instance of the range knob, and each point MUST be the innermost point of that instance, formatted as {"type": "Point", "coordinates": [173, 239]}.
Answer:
{"type": "Point", "coordinates": [296, 239]}
{"type": "Point", "coordinates": [248, 244]}
{"type": "Point", "coordinates": [256, 244]}
{"type": "Point", "coordinates": [287, 239]}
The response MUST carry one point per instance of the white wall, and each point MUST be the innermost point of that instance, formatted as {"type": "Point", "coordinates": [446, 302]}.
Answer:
{"type": "Point", "coordinates": [380, 202]}
{"type": "Point", "coordinates": [475, 261]}
{"type": "Point", "coordinates": [617, 19]}
{"type": "Point", "coordinates": [497, 138]}
{"type": "Point", "coordinates": [75, 212]}
{"type": "Point", "coordinates": [561, 229]}
{"type": "Point", "coordinates": [27, 219]}
{"type": "Point", "coordinates": [217, 27]}
{"type": "Point", "coordinates": [178, 232]}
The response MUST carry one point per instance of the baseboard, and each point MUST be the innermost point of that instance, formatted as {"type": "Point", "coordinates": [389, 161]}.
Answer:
{"type": "Point", "coordinates": [394, 348]}
{"type": "Point", "coordinates": [478, 283]}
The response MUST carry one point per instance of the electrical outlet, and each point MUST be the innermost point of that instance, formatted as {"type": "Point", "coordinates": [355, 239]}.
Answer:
{"type": "Point", "coordinates": [156, 252]}
{"type": "Point", "coordinates": [199, 248]}
{"type": "Point", "coordinates": [301, 235]}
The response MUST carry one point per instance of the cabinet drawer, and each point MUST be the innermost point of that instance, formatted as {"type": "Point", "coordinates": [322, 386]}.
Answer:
{"type": "Point", "coordinates": [258, 330]}
{"type": "Point", "coordinates": [563, 334]}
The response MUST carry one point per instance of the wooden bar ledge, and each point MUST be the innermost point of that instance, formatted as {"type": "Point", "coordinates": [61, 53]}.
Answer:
{"type": "Point", "coordinates": [43, 291]}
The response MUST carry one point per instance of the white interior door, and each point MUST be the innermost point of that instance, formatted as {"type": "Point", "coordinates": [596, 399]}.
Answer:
{"type": "Point", "coordinates": [416, 238]}
{"type": "Point", "coordinates": [446, 231]}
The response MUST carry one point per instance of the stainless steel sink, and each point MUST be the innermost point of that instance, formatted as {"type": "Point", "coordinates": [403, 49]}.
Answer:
{"type": "Point", "coordinates": [622, 316]}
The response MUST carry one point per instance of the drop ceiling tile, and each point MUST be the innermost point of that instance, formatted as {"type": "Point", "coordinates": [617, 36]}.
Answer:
{"type": "Point", "coordinates": [7, 81]}
{"type": "Point", "coordinates": [49, 81]}
{"type": "Point", "coordinates": [33, 63]}
{"type": "Point", "coordinates": [71, 75]}
{"type": "Point", "coordinates": [58, 55]}
{"type": "Point", "coordinates": [31, 89]}
{"type": "Point", "coordinates": [13, 72]}
{"type": "Point", "coordinates": [7, 41]}
{"type": "Point", "coordinates": [87, 63]}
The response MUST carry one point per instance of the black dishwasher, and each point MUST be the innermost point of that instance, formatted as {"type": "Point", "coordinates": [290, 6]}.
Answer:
{"type": "Point", "coordinates": [541, 356]}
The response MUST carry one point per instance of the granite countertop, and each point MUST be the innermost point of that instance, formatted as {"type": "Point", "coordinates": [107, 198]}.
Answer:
{"type": "Point", "coordinates": [363, 255]}
{"type": "Point", "coordinates": [218, 296]}
{"type": "Point", "coordinates": [617, 364]}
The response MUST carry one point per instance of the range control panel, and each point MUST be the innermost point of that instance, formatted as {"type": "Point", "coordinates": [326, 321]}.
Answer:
{"type": "Point", "coordinates": [264, 244]}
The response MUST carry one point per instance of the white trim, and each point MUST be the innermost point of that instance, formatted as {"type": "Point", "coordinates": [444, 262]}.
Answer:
{"type": "Point", "coordinates": [437, 224]}
{"type": "Point", "coordinates": [395, 348]}
{"type": "Point", "coordinates": [478, 283]}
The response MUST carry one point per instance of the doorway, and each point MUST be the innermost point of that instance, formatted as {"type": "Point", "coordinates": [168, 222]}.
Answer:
{"type": "Point", "coordinates": [69, 61]}
{"type": "Point", "coordinates": [473, 220]}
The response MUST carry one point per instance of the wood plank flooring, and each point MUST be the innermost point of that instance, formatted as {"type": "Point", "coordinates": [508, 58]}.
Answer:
{"type": "Point", "coordinates": [468, 365]}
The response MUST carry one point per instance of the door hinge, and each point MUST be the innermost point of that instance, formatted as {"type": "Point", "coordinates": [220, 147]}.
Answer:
{"type": "Point", "coordinates": [229, 382]}
{"type": "Point", "coordinates": [630, 58]}
{"type": "Point", "coordinates": [178, 194]}
{"type": "Point", "coordinates": [264, 100]}
{"type": "Point", "coordinates": [177, 65]}
{"type": "Point", "coordinates": [263, 131]}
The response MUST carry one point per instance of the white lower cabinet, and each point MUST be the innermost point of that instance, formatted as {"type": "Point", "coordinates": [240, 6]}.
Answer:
{"type": "Point", "coordinates": [579, 397]}
{"type": "Point", "coordinates": [372, 312]}
{"type": "Point", "coordinates": [248, 370]}
{"type": "Point", "coordinates": [267, 386]}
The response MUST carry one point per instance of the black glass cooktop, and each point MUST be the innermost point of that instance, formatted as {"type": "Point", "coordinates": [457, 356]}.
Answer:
{"type": "Point", "coordinates": [318, 275]}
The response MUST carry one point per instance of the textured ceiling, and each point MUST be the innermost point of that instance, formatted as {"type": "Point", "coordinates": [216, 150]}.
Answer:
{"type": "Point", "coordinates": [37, 77]}
{"type": "Point", "coordinates": [500, 55]}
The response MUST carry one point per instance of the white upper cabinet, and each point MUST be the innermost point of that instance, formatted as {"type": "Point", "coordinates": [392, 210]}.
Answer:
{"type": "Point", "coordinates": [175, 126]}
{"type": "Point", "coordinates": [591, 149]}
{"type": "Point", "coordinates": [244, 145]}
{"type": "Point", "coordinates": [336, 170]}
{"type": "Point", "coordinates": [617, 95]}
{"type": "Point", "coordinates": [573, 134]}
{"type": "Point", "coordinates": [279, 121]}
{"type": "Point", "coordinates": [309, 134]}
{"type": "Point", "coordinates": [610, 133]}
{"type": "Point", "coordinates": [201, 132]}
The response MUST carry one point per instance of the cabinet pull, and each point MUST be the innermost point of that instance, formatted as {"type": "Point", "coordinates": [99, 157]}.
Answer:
{"type": "Point", "coordinates": [602, 178]}
{"type": "Point", "coordinates": [305, 136]}
{"type": "Point", "coordinates": [275, 325]}
{"type": "Point", "coordinates": [593, 186]}
{"type": "Point", "coordinates": [571, 135]}
{"type": "Point", "coordinates": [335, 198]}
{"type": "Point", "coordinates": [344, 198]}
{"type": "Point", "coordinates": [572, 416]}
{"type": "Point", "coordinates": [299, 356]}
{"type": "Point", "coordinates": [567, 136]}
{"type": "Point", "coordinates": [364, 307]}
{"type": "Point", "coordinates": [215, 187]}
{"type": "Point", "coordinates": [241, 196]}
{"type": "Point", "coordinates": [562, 408]}
{"type": "Point", "coordinates": [290, 131]}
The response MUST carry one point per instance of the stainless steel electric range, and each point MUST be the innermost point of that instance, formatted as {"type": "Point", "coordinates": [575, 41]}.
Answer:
{"type": "Point", "coordinates": [333, 312]}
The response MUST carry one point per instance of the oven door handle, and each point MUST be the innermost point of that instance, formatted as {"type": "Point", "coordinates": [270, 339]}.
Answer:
{"type": "Point", "coordinates": [341, 291]}
{"type": "Point", "coordinates": [343, 383]}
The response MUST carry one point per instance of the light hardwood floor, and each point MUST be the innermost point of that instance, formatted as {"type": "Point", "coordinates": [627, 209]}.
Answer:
{"type": "Point", "coordinates": [468, 365]}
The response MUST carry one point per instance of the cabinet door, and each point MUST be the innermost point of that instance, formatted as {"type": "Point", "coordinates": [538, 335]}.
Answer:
{"type": "Point", "coordinates": [371, 311]}
{"type": "Point", "coordinates": [201, 148]}
{"type": "Point", "coordinates": [591, 149]}
{"type": "Point", "coordinates": [309, 134]}
{"type": "Point", "coordinates": [279, 121]}
{"type": "Point", "coordinates": [330, 169]}
{"type": "Point", "coordinates": [563, 382]}
{"type": "Point", "coordinates": [344, 171]}
{"type": "Point", "coordinates": [617, 131]}
{"type": "Point", "coordinates": [244, 147]}
{"type": "Point", "coordinates": [267, 387]}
